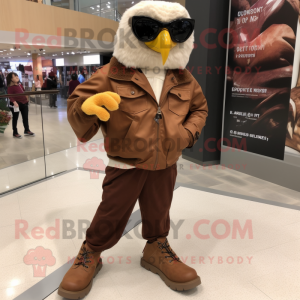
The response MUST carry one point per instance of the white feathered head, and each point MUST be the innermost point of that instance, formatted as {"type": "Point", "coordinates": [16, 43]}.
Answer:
{"type": "Point", "coordinates": [133, 53]}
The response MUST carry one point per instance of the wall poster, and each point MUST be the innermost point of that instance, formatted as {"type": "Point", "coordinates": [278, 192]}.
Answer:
{"type": "Point", "coordinates": [259, 75]}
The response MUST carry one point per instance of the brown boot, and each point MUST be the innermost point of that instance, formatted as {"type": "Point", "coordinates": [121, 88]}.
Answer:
{"type": "Point", "coordinates": [160, 259]}
{"type": "Point", "coordinates": [78, 281]}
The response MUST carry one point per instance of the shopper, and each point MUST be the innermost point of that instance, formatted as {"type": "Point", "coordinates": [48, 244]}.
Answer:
{"type": "Point", "coordinates": [73, 84]}
{"type": "Point", "coordinates": [2, 85]}
{"type": "Point", "coordinates": [44, 86]}
{"type": "Point", "coordinates": [19, 103]}
{"type": "Point", "coordinates": [52, 85]}
{"type": "Point", "coordinates": [81, 77]}
{"type": "Point", "coordinates": [37, 83]}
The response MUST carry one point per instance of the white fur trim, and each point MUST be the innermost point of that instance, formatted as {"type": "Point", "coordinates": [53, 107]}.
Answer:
{"type": "Point", "coordinates": [135, 54]}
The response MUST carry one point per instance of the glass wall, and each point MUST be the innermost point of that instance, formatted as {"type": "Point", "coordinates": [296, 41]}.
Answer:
{"type": "Point", "coordinates": [53, 149]}
{"type": "Point", "coordinates": [110, 9]}
{"type": "Point", "coordinates": [21, 159]}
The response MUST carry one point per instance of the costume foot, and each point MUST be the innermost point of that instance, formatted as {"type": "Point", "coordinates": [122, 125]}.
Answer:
{"type": "Point", "coordinates": [160, 259]}
{"type": "Point", "coordinates": [78, 281]}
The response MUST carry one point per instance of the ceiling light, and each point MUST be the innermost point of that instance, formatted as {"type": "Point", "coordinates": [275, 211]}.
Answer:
{"type": "Point", "coordinates": [98, 5]}
{"type": "Point", "coordinates": [12, 49]}
{"type": "Point", "coordinates": [1, 51]}
{"type": "Point", "coordinates": [73, 53]}
{"type": "Point", "coordinates": [108, 6]}
{"type": "Point", "coordinates": [68, 53]}
{"type": "Point", "coordinates": [92, 7]}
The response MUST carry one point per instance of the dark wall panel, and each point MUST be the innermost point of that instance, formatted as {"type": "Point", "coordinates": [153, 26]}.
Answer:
{"type": "Point", "coordinates": [207, 64]}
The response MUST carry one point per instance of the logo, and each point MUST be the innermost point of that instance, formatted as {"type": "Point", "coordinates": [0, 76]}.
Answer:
{"type": "Point", "coordinates": [39, 258]}
{"type": "Point", "coordinates": [94, 165]}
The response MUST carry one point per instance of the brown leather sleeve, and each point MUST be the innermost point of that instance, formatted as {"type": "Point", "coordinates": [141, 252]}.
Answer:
{"type": "Point", "coordinates": [85, 126]}
{"type": "Point", "coordinates": [198, 113]}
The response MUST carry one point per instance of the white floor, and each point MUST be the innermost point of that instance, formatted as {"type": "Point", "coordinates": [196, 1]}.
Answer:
{"type": "Point", "coordinates": [274, 249]}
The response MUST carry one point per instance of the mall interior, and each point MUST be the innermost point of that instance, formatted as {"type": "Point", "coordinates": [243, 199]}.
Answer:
{"type": "Point", "coordinates": [235, 212]}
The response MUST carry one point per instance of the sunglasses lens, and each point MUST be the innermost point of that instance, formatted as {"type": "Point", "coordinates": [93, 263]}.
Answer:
{"type": "Point", "coordinates": [181, 30]}
{"type": "Point", "coordinates": [146, 30]}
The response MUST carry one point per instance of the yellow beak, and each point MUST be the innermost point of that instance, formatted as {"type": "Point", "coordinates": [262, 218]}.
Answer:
{"type": "Point", "coordinates": [162, 44]}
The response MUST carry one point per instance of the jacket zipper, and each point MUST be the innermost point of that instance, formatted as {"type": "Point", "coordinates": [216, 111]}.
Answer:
{"type": "Point", "coordinates": [157, 117]}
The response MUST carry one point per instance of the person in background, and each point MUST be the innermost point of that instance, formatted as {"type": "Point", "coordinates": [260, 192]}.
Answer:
{"type": "Point", "coordinates": [2, 85]}
{"type": "Point", "coordinates": [44, 86]}
{"type": "Point", "coordinates": [81, 77]}
{"type": "Point", "coordinates": [2, 82]}
{"type": "Point", "coordinates": [20, 102]}
{"type": "Point", "coordinates": [73, 84]}
{"type": "Point", "coordinates": [37, 83]}
{"type": "Point", "coordinates": [52, 85]}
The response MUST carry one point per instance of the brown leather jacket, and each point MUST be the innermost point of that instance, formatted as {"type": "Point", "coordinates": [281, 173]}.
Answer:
{"type": "Point", "coordinates": [142, 132]}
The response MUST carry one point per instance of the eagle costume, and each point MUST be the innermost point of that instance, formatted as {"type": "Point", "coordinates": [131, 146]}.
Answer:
{"type": "Point", "coordinates": [149, 108]}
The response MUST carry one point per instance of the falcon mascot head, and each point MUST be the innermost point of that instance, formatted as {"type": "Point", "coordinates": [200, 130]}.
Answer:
{"type": "Point", "coordinates": [155, 34]}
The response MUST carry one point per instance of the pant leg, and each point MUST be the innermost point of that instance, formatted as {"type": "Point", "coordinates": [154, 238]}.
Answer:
{"type": "Point", "coordinates": [54, 99]}
{"type": "Point", "coordinates": [50, 100]}
{"type": "Point", "coordinates": [121, 189]}
{"type": "Point", "coordinates": [15, 116]}
{"type": "Point", "coordinates": [24, 112]}
{"type": "Point", "coordinates": [155, 203]}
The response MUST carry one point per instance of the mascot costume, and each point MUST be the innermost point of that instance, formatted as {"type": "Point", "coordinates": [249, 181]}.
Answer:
{"type": "Point", "coordinates": [149, 108]}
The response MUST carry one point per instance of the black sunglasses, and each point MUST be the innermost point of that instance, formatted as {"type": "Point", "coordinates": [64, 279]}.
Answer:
{"type": "Point", "coordinates": [147, 29]}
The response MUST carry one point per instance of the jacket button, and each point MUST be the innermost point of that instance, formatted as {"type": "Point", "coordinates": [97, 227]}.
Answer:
{"type": "Point", "coordinates": [132, 92]}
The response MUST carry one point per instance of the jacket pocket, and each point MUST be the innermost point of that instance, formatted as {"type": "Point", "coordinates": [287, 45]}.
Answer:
{"type": "Point", "coordinates": [179, 101]}
{"type": "Point", "coordinates": [184, 136]}
{"type": "Point", "coordinates": [133, 100]}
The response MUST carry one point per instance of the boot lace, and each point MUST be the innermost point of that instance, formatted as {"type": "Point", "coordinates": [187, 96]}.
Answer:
{"type": "Point", "coordinates": [165, 246]}
{"type": "Point", "coordinates": [84, 258]}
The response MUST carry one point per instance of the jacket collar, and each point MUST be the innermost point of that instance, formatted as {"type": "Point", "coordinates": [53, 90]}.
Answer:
{"type": "Point", "coordinates": [119, 72]}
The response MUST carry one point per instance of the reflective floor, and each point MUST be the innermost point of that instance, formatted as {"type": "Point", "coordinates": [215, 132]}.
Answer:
{"type": "Point", "coordinates": [264, 265]}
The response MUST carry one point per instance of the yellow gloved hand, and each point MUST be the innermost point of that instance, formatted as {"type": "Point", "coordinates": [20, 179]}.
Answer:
{"type": "Point", "coordinates": [92, 106]}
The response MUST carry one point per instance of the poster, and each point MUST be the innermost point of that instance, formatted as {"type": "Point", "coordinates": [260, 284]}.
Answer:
{"type": "Point", "coordinates": [293, 127]}
{"type": "Point", "coordinates": [259, 75]}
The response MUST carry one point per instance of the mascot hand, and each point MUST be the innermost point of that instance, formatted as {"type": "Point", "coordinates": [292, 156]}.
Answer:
{"type": "Point", "coordinates": [92, 106]}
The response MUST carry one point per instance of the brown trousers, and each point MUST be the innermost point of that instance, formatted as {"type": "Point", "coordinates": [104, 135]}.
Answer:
{"type": "Point", "coordinates": [121, 189]}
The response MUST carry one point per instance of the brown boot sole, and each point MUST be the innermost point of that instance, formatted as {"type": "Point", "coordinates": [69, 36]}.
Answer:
{"type": "Point", "coordinates": [176, 286]}
{"type": "Point", "coordinates": [80, 294]}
